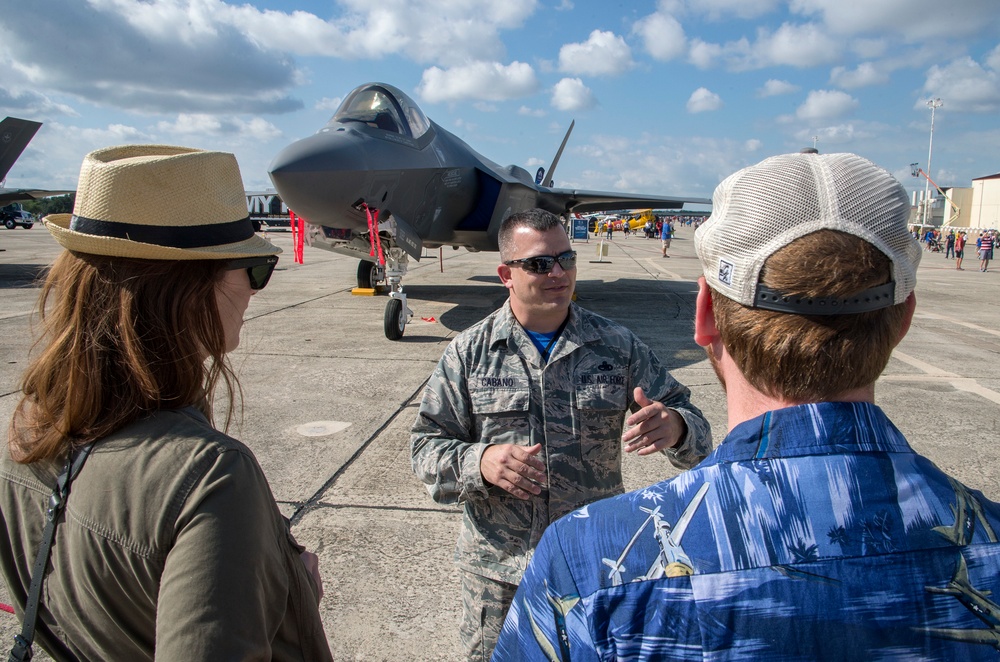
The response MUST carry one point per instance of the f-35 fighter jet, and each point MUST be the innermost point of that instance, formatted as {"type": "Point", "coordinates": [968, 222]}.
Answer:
{"type": "Point", "coordinates": [381, 182]}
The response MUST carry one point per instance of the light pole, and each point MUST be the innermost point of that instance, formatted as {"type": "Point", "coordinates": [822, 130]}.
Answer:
{"type": "Point", "coordinates": [933, 104]}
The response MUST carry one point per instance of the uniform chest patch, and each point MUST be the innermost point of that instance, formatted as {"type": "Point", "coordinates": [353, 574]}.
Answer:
{"type": "Point", "coordinates": [589, 379]}
{"type": "Point", "coordinates": [494, 382]}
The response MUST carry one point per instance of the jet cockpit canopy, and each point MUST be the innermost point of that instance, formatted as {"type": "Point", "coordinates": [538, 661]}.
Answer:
{"type": "Point", "coordinates": [383, 107]}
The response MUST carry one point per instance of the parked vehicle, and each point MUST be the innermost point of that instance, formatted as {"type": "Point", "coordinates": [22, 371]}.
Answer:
{"type": "Point", "coordinates": [13, 215]}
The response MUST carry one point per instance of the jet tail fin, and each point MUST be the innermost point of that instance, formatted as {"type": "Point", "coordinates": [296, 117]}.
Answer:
{"type": "Point", "coordinates": [555, 161]}
{"type": "Point", "coordinates": [15, 134]}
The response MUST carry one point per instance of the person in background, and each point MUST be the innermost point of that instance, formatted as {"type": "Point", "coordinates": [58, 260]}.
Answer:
{"type": "Point", "coordinates": [950, 245]}
{"type": "Point", "coordinates": [985, 250]}
{"type": "Point", "coordinates": [172, 546]}
{"type": "Point", "coordinates": [666, 234]}
{"type": "Point", "coordinates": [522, 420]}
{"type": "Point", "coordinates": [814, 531]}
{"type": "Point", "coordinates": [959, 250]}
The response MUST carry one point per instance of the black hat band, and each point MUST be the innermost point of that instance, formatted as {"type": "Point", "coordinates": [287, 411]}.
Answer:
{"type": "Point", "coordinates": [192, 236]}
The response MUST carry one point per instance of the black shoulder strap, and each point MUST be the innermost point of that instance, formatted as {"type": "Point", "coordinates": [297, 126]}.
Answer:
{"type": "Point", "coordinates": [22, 642]}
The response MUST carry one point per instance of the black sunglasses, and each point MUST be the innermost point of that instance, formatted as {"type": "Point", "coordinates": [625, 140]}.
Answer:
{"type": "Point", "coordinates": [543, 264]}
{"type": "Point", "coordinates": [259, 269]}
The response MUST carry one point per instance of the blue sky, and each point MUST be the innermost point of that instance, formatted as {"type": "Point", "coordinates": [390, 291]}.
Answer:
{"type": "Point", "coordinates": [669, 97]}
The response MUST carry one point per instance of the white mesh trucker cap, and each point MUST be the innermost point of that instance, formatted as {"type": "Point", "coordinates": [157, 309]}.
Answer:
{"type": "Point", "coordinates": [765, 207]}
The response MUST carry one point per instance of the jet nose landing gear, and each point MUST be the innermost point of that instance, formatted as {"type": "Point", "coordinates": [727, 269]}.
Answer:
{"type": "Point", "coordinates": [397, 313]}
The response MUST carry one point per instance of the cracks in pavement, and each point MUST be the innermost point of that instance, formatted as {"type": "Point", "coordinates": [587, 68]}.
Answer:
{"type": "Point", "coordinates": [313, 502]}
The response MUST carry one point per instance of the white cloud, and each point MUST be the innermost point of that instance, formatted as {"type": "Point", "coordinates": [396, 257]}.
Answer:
{"type": "Point", "coordinates": [726, 9]}
{"type": "Point", "coordinates": [571, 94]}
{"type": "Point", "coordinates": [837, 134]}
{"type": "Point", "coordinates": [869, 48]}
{"type": "Point", "coordinates": [911, 19]}
{"type": "Point", "coordinates": [864, 75]}
{"type": "Point", "coordinates": [964, 85]}
{"type": "Point", "coordinates": [826, 104]}
{"type": "Point", "coordinates": [527, 111]}
{"type": "Point", "coordinates": [702, 100]}
{"type": "Point", "coordinates": [774, 87]}
{"type": "Point", "coordinates": [802, 46]}
{"type": "Point", "coordinates": [151, 55]}
{"type": "Point", "coordinates": [704, 54]}
{"type": "Point", "coordinates": [188, 125]}
{"type": "Point", "coordinates": [654, 163]}
{"type": "Point", "coordinates": [148, 57]}
{"type": "Point", "coordinates": [993, 59]}
{"type": "Point", "coordinates": [446, 32]}
{"type": "Point", "coordinates": [752, 145]}
{"type": "Point", "coordinates": [603, 54]}
{"type": "Point", "coordinates": [30, 102]}
{"type": "Point", "coordinates": [484, 81]}
{"type": "Point", "coordinates": [662, 36]}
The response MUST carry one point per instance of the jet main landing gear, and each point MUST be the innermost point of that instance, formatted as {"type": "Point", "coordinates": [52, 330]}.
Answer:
{"type": "Point", "coordinates": [369, 274]}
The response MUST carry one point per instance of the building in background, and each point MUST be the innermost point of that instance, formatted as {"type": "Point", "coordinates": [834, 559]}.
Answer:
{"type": "Point", "coordinates": [985, 208]}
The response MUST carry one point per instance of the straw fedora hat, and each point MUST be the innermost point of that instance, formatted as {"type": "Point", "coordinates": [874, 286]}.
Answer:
{"type": "Point", "coordinates": [160, 202]}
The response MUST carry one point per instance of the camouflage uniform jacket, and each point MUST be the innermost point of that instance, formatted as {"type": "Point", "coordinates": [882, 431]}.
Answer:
{"type": "Point", "coordinates": [491, 387]}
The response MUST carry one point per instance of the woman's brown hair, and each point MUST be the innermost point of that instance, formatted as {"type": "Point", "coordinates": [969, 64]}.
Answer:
{"type": "Point", "coordinates": [120, 339]}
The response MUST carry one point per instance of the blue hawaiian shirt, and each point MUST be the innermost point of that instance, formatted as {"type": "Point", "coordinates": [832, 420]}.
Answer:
{"type": "Point", "coordinates": [813, 532]}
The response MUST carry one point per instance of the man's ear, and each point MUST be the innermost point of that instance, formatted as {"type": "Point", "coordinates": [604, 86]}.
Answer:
{"type": "Point", "coordinates": [504, 272]}
{"type": "Point", "coordinates": [705, 331]}
{"type": "Point", "coordinates": [911, 305]}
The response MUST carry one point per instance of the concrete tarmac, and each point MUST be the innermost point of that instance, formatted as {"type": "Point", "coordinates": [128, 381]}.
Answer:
{"type": "Point", "coordinates": [328, 403]}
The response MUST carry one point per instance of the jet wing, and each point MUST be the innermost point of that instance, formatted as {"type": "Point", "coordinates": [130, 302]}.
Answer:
{"type": "Point", "coordinates": [562, 201]}
{"type": "Point", "coordinates": [9, 195]}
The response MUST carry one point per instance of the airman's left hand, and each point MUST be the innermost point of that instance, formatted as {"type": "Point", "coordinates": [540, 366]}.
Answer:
{"type": "Point", "coordinates": [653, 428]}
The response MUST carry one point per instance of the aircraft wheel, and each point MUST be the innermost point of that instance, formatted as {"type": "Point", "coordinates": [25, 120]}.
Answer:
{"type": "Point", "coordinates": [395, 319]}
{"type": "Point", "coordinates": [367, 277]}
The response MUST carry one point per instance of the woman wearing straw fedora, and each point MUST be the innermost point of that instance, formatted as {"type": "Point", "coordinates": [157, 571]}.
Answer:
{"type": "Point", "coordinates": [133, 527]}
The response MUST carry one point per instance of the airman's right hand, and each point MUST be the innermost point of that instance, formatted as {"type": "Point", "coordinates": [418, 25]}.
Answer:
{"type": "Point", "coordinates": [516, 469]}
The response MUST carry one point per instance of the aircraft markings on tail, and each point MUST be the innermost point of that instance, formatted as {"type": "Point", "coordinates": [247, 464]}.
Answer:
{"type": "Point", "coordinates": [380, 168]}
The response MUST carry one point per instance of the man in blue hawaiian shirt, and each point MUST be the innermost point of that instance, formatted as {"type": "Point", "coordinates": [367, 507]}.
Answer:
{"type": "Point", "coordinates": [813, 531]}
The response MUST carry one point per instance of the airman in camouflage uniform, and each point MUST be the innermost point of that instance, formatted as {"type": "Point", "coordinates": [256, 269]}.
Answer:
{"type": "Point", "coordinates": [564, 415]}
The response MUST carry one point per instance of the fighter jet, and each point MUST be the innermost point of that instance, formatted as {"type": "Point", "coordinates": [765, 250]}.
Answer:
{"type": "Point", "coordinates": [381, 182]}
{"type": "Point", "coordinates": [977, 602]}
{"type": "Point", "coordinates": [15, 134]}
{"type": "Point", "coordinates": [672, 561]}
{"type": "Point", "coordinates": [967, 511]}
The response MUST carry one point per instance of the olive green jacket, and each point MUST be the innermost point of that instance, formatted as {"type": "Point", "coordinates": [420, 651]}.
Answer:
{"type": "Point", "coordinates": [172, 547]}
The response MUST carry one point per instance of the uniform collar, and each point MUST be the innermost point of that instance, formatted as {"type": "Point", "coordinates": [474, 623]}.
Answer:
{"type": "Point", "coordinates": [508, 332]}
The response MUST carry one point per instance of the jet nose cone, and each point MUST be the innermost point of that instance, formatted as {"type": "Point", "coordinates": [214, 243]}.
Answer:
{"type": "Point", "coordinates": [321, 176]}
{"type": "Point", "coordinates": [328, 150]}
